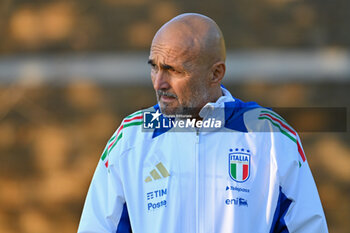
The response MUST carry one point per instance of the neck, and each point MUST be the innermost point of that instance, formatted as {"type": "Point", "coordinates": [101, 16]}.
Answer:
{"type": "Point", "coordinates": [217, 93]}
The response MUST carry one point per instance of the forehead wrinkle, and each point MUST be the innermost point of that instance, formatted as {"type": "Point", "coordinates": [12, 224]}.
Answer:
{"type": "Point", "coordinates": [162, 51]}
{"type": "Point", "coordinates": [170, 54]}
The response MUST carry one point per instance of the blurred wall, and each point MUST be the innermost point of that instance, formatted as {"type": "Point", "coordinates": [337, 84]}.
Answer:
{"type": "Point", "coordinates": [117, 25]}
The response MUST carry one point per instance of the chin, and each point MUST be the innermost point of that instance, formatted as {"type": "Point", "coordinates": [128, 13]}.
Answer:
{"type": "Point", "coordinates": [167, 110]}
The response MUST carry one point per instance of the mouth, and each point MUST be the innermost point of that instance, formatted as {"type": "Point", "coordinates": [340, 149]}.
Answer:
{"type": "Point", "coordinates": [165, 98]}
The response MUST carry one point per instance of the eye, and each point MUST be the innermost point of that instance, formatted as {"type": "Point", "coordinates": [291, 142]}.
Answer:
{"type": "Point", "coordinates": [154, 67]}
{"type": "Point", "coordinates": [172, 70]}
{"type": "Point", "coordinates": [152, 64]}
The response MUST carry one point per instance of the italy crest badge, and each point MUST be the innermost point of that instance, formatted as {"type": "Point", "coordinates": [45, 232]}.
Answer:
{"type": "Point", "coordinates": [239, 164]}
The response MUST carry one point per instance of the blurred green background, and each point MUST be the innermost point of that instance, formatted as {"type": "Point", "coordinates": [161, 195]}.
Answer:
{"type": "Point", "coordinates": [71, 70]}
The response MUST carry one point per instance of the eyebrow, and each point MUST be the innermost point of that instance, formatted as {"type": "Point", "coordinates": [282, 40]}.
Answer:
{"type": "Point", "coordinates": [164, 66]}
{"type": "Point", "coordinates": [150, 61]}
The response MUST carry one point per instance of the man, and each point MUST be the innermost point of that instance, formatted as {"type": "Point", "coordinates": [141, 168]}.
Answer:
{"type": "Point", "coordinates": [245, 173]}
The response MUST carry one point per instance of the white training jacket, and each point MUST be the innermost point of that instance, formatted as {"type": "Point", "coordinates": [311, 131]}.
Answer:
{"type": "Point", "coordinates": [248, 175]}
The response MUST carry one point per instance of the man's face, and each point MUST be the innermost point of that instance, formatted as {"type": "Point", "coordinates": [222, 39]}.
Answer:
{"type": "Point", "coordinates": [178, 78]}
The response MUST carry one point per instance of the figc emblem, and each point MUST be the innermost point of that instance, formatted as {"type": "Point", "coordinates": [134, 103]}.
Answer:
{"type": "Point", "coordinates": [239, 164]}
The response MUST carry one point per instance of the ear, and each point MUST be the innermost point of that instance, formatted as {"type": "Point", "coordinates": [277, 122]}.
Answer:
{"type": "Point", "coordinates": [217, 72]}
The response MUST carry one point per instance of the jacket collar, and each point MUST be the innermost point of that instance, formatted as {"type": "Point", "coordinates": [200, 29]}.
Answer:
{"type": "Point", "coordinates": [216, 110]}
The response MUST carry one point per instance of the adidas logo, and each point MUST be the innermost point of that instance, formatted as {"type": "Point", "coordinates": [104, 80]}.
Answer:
{"type": "Point", "coordinates": [155, 175]}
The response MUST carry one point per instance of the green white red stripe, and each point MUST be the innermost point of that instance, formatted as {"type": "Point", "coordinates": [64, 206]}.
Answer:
{"type": "Point", "coordinates": [239, 171]}
{"type": "Point", "coordinates": [131, 120]}
{"type": "Point", "coordinates": [284, 128]}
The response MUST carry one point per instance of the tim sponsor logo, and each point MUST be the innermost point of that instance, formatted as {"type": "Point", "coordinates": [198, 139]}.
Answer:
{"type": "Point", "coordinates": [156, 199]}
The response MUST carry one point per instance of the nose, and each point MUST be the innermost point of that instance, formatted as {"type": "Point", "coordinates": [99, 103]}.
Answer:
{"type": "Point", "coordinates": [161, 81]}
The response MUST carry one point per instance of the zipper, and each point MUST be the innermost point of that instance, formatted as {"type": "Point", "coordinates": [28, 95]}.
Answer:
{"type": "Point", "coordinates": [197, 182]}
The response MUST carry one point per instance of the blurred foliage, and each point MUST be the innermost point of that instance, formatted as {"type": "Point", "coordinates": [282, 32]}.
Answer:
{"type": "Point", "coordinates": [111, 25]}
{"type": "Point", "coordinates": [51, 138]}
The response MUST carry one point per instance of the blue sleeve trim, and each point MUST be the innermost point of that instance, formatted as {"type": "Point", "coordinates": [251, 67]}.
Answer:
{"type": "Point", "coordinates": [124, 225]}
{"type": "Point", "coordinates": [278, 223]}
{"type": "Point", "coordinates": [234, 112]}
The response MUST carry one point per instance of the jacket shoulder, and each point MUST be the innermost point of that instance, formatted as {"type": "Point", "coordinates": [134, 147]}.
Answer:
{"type": "Point", "coordinates": [131, 127]}
{"type": "Point", "coordinates": [126, 134]}
{"type": "Point", "coordinates": [235, 112]}
{"type": "Point", "coordinates": [266, 120]}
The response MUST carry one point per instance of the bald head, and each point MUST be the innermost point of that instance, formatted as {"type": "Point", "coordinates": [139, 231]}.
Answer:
{"type": "Point", "coordinates": [188, 63]}
{"type": "Point", "coordinates": [196, 33]}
